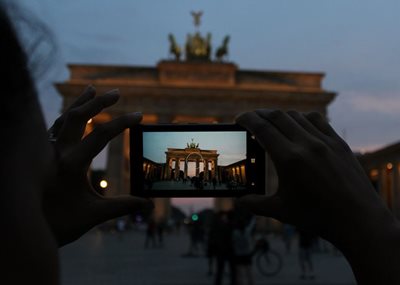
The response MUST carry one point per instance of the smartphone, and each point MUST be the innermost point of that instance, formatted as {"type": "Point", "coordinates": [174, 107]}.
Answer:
{"type": "Point", "coordinates": [195, 160]}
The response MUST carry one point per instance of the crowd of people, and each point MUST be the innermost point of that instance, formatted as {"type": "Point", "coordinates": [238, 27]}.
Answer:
{"type": "Point", "coordinates": [47, 200]}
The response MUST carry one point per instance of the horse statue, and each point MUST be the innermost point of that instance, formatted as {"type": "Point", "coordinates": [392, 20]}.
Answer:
{"type": "Point", "coordinates": [174, 47]}
{"type": "Point", "coordinates": [222, 51]}
{"type": "Point", "coordinates": [198, 48]}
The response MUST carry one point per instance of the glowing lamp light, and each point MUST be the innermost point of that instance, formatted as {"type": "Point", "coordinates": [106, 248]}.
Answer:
{"type": "Point", "coordinates": [103, 184]}
{"type": "Point", "coordinates": [195, 217]}
{"type": "Point", "coordinates": [389, 166]}
{"type": "Point", "coordinates": [374, 173]}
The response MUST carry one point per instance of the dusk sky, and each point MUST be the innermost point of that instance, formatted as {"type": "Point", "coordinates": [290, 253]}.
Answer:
{"type": "Point", "coordinates": [231, 146]}
{"type": "Point", "coordinates": [356, 43]}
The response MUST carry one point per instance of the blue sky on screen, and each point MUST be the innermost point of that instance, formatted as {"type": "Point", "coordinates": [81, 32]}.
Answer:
{"type": "Point", "coordinates": [231, 146]}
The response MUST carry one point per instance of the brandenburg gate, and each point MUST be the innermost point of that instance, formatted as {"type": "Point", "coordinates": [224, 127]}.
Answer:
{"type": "Point", "coordinates": [209, 159]}
{"type": "Point", "coordinates": [199, 88]}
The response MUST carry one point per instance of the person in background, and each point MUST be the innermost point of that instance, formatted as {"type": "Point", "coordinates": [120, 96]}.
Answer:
{"type": "Point", "coordinates": [306, 242]}
{"type": "Point", "coordinates": [223, 246]}
{"type": "Point", "coordinates": [243, 248]}
{"type": "Point", "coordinates": [288, 232]}
{"type": "Point", "coordinates": [150, 238]}
{"type": "Point", "coordinates": [212, 234]}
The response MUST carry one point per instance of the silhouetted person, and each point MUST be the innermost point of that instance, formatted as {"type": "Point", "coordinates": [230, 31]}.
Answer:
{"type": "Point", "coordinates": [212, 243]}
{"type": "Point", "coordinates": [196, 237]}
{"type": "Point", "coordinates": [150, 239]}
{"type": "Point", "coordinates": [288, 232]}
{"type": "Point", "coordinates": [160, 233]}
{"type": "Point", "coordinates": [306, 243]}
{"type": "Point", "coordinates": [243, 247]}
{"type": "Point", "coordinates": [214, 183]}
{"type": "Point", "coordinates": [224, 248]}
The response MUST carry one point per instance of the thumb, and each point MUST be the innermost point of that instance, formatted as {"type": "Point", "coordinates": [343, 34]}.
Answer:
{"type": "Point", "coordinates": [262, 205]}
{"type": "Point", "coordinates": [115, 207]}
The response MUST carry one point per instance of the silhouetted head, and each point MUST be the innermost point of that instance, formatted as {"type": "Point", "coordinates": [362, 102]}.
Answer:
{"type": "Point", "coordinates": [26, 51]}
{"type": "Point", "coordinates": [15, 78]}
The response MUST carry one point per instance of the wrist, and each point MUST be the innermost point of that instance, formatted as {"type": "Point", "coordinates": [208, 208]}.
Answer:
{"type": "Point", "coordinates": [372, 248]}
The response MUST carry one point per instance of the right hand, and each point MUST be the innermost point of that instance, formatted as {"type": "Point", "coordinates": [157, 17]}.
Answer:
{"type": "Point", "coordinates": [322, 187]}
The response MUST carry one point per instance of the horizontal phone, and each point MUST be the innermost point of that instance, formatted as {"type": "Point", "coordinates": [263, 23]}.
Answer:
{"type": "Point", "coordinates": [195, 160]}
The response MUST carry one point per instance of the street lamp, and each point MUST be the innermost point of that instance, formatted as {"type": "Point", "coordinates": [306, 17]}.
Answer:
{"type": "Point", "coordinates": [103, 184]}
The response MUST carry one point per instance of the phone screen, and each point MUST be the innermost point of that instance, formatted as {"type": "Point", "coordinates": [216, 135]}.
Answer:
{"type": "Point", "coordinates": [195, 160]}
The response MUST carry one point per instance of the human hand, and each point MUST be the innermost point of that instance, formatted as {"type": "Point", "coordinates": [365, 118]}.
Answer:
{"type": "Point", "coordinates": [322, 187]}
{"type": "Point", "coordinates": [71, 205]}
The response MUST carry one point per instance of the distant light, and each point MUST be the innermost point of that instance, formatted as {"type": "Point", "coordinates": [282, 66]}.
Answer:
{"type": "Point", "coordinates": [374, 173]}
{"type": "Point", "coordinates": [389, 166]}
{"type": "Point", "coordinates": [103, 184]}
{"type": "Point", "coordinates": [195, 217]}
{"type": "Point", "coordinates": [90, 121]}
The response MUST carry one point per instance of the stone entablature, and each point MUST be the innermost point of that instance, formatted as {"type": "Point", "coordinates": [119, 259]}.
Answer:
{"type": "Point", "coordinates": [192, 74]}
{"type": "Point", "coordinates": [199, 89]}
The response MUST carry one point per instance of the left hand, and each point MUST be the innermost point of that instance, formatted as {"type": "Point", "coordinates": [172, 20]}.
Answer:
{"type": "Point", "coordinates": [71, 205]}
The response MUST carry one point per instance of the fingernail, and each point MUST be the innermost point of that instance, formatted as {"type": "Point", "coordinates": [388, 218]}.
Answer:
{"type": "Point", "coordinates": [136, 115]}
{"type": "Point", "coordinates": [139, 116]}
{"type": "Point", "coordinates": [113, 92]}
{"type": "Point", "coordinates": [90, 88]}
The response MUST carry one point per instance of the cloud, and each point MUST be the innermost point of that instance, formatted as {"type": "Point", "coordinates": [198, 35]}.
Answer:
{"type": "Point", "coordinates": [384, 103]}
{"type": "Point", "coordinates": [366, 120]}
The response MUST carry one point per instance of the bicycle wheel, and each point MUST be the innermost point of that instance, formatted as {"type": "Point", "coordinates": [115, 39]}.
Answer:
{"type": "Point", "coordinates": [269, 263]}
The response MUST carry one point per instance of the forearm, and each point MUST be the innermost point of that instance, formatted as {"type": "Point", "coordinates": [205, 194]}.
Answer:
{"type": "Point", "coordinates": [29, 253]}
{"type": "Point", "coordinates": [373, 251]}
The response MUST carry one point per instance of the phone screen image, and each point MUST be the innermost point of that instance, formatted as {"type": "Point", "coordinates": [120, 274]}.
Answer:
{"type": "Point", "coordinates": [190, 161]}
{"type": "Point", "coordinates": [216, 160]}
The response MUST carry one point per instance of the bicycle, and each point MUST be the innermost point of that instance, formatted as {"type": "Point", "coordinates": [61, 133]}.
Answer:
{"type": "Point", "coordinates": [268, 261]}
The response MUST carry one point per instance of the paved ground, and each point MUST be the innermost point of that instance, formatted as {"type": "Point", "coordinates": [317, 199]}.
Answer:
{"type": "Point", "coordinates": [110, 258]}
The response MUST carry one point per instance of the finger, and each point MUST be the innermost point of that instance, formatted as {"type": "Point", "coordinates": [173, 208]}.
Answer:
{"type": "Point", "coordinates": [93, 143]}
{"type": "Point", "coordinates": [86, 96]}
{"type": "Point", "coordinates": [262, 205]}
{"type": "Point", "coordinates": [308, 126]}
{"type": "Point", "coordinates": [76, 119]}
{"type": "Point", "coordinates": [269, 137]}
{"type": "Point", "coordinates": [110, 208]}
{"type": "Point", "coordinates": [321, 124]}
{"type": "Point", "coordinates": [285, 124]}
